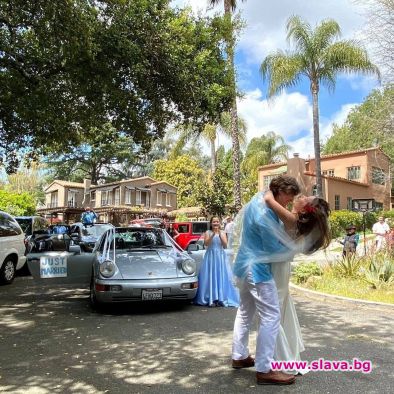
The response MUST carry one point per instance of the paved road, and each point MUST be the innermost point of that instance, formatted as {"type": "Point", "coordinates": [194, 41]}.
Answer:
{"type": "Point", "coordinates": [51, 342]}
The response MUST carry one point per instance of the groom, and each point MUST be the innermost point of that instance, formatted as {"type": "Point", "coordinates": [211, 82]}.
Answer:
{"type": "Point", "coordinates": [258, 291]}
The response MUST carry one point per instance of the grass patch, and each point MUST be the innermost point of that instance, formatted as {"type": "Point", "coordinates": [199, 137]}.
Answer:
{"type": "Point", "coordinates": [349, 287]}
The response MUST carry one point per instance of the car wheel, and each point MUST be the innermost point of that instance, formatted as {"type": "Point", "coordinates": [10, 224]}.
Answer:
{"type": "Point", "coordinates": [93, 300]}
{"type": "Point", "coordinates": [7, 271]}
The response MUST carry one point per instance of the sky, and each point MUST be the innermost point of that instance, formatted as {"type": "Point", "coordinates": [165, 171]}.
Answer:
{"type": "Point", "coordinates": [289, 114]}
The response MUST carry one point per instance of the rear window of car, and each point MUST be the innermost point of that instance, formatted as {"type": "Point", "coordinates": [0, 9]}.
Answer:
{"type": "Point", "coordinates": [25, 224]}
{"type": "Point", "coordinates": [8, 226]}
{"type": "Point", "coordinates": [200, 227]}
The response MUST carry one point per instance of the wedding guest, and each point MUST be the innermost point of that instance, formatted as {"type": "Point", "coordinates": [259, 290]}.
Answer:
{"type": "Point", "coordinates": [380, 229]}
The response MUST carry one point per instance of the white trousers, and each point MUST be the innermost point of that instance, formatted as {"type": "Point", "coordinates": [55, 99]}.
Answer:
{"type": "Point", "coordinates": [261, 298]}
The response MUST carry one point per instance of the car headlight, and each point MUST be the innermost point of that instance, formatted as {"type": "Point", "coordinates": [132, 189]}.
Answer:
{"type": "Point", "coordinates": [188, 267]}
{"type": "Point", "coordinates": [107, 268]}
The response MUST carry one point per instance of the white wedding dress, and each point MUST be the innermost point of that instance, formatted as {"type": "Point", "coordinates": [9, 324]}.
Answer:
{"type": "Point", "coordinates": [289, 342]}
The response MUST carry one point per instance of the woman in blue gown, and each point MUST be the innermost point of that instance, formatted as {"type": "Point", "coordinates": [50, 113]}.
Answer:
{"type": "Point", "coordinates": [215, 284]}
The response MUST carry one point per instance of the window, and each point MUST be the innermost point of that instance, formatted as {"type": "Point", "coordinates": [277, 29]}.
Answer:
{"type": "Point", "coordinates": [349, 203]}
{"type": "Point", "coordinates": [127, 196]}
{"type": "Point", "coordinates": [117, 196]}
{"type": "Point", "coordinates": [53, 203]}
{"type": "Point", "coordinates": [158, 198]}
{"type": "Point", "coordinates": [378, 176]}
{"type": "Point", "coordinates": [138, 197]}
{"type": "Point", "coordinates": [71, 199]}
{"type": "Point", "coordinates": [328, 172]}
{"type": "Point", "coordinates": [104, 198]}
{"type": "Point", "coordinates": [337, 202]}
{"type": "Point", "coordinates": [200, 227]}
{"type": "Point", "coordinates": [183, 228]}
{"type": "Point", "coordinates": [93, 196]}
{"type": "Point", "coordinates": [8, 226]}
{"type": "Point", "coordinates": [267, 180]}
{"type": "Point", "coordinates": [353, 172]}
{"type": "Point", "coordinates": [168, 199]}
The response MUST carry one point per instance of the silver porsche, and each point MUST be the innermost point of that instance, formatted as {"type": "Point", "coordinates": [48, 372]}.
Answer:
{"type": "Point", "coordinates": [141, 264]}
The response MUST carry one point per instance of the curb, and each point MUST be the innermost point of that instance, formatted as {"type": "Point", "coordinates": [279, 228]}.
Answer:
{"type": "Point", "coordinates": [340, 298]}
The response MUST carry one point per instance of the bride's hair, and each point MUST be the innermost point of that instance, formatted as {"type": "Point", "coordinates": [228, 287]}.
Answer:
{"type": "Point", "coordinates": [312, 223]}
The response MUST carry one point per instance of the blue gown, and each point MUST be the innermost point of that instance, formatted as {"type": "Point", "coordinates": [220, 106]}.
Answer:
{"type": "Point", "coordinates": [215, 282]}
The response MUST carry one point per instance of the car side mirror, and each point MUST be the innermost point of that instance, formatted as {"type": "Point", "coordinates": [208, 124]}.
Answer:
{"type": "Point", "coordinates": [76, 249]}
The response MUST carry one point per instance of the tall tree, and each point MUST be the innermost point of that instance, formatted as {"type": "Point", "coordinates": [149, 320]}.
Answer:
{"type": "Point", "coordinates": [209, 134]}
{"type": "Point", "coordinates": [379, 34]}
{"type": "Point", "coordinates": [318, 56]}
{"type": "Point", "coordinates": [67, 67]}
{"type": "Point", "coordinates": [229, 8]}
{"type": "Point", "coordinates": [268, 148]}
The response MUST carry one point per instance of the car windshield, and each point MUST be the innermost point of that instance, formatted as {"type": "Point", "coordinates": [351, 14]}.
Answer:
{"type": "Point", "coordinates": [96, 230]}
{"type": "Point", "coordinates": [137, 238]}
{"type": "Point", "coordinates": [25, 224]}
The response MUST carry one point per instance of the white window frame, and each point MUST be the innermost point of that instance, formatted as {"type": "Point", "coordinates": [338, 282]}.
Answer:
{"type": "Point", "coordinates": [138, 197]}
{"type": "Point", "coordinates": [93, 196]}
{"type": "Point", "coordinates": [54, 199]}
{"type": "Point", "coordinates": [117, 196]}
{"type": "Point", "coordinates": [168, 199]}
{"type": "Point", "coordinates": [353, 172]}
{"type": "Point", "coordinates": [71, 199]}
{"type": "Point", "coordinates": [127, 196]}
{"type": "Point", "coordinates": [159, 198]}
{"type": "Point", "coordinates": [104, 200]}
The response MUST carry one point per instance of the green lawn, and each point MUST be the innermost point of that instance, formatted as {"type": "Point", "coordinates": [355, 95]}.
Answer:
{"type": "Point", "coordinates": [352, 288]}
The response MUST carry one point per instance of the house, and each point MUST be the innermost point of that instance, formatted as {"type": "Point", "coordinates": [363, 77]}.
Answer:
{"type": "Point", "coordinates": [115, 202]}
{"type": "Point", "coordinates": [363, 174]}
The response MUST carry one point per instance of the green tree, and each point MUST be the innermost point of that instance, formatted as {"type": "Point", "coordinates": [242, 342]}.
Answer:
{"type": "Point", "coordinates": [184, 173]}
{"type": "Point", "coordinates": [67, 67]}
{"type": "Point", "coordinates": [214, 196]}
{"type": "Point", "coordinates": [229, 8]}
{"type": "Point", "coordinates": [318, 56]}
{"type": "Point", "coordinates": [17, 204]}
{"type": "Point", "coordinates": [263, 150]}
{"type": "Point", "coordinates": [209, 134]}
{"type": "Point", "coordinates": [369, 124]}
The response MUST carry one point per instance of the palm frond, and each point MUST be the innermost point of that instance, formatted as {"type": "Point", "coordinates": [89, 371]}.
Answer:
{"type": "Point", "coordinates": [348, 57]}
{"type": "Point", "coordinates": [325, 34]}
{"type": "Point", "coordinates": [281, 70]}
{"type": "Point", "coordinates": [299, 31]}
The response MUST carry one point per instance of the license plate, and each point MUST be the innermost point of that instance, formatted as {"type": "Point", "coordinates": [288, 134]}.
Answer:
{"type": "Point", "coordinates": [53, 266]}
{"type": "Point", "coordinates": [152, 294]}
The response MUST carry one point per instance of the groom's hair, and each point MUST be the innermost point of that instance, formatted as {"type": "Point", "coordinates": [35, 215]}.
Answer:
{"type": "Point", "coordinates": [286, 184]}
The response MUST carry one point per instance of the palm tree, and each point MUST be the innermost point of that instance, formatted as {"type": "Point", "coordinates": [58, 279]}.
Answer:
{"type": "Point", "coordinates": [319, 57]}
{"type": "Point", "coordinates": [209, 135]}
{"type": "Point", "coordinates": [269, 148]}
{"type": "Point", "coordinates": [229, 7]}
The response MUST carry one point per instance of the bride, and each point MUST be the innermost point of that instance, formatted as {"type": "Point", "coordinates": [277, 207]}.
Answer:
{"type": "Point", "coordinates": [307, 224]}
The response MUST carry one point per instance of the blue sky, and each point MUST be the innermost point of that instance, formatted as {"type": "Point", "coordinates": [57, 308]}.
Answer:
{"type": "Point", "coordinates": [290, 113]}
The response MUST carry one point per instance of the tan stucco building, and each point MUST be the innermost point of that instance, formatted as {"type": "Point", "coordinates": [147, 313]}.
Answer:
{"type": "Point", "coordinates": [115, 202]}
{"type": "Point", "coordinates": [346, 176]}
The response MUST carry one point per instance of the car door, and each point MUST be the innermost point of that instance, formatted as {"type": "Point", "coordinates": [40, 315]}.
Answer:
{"type": "Point", "coordinates": [67, 266]}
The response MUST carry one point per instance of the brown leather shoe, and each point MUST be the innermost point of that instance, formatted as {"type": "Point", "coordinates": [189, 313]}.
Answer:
{"type": "Point", "coordinates": [245, 363]}
{"type": "Point", "coordinates": [274, 377]}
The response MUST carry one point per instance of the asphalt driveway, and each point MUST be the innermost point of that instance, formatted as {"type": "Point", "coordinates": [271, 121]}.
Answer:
{"type": "Point", "coordinates": [52, 342]}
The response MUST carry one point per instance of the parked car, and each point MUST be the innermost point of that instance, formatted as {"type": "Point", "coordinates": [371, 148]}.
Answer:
{"type": "Point", "coordinates": [30, 224]}
{"type": "Point", "coordinates": [12, 248]}
{"type": "Point", "coordinates": [148, 222]}
{"type": "Point", "coordinates": [86, 236]}
{"type": "Point", "coordinates": [127, 264]}
{"type": "Point", "coordinates": [189, 232]}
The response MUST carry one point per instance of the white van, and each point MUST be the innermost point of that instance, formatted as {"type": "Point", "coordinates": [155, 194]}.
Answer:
{"type": "Point", "coordinates": [12, 248]}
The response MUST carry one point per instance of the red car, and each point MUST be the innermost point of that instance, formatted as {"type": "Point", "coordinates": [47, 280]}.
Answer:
{"type": "Point", "coordinates": [189, 232]}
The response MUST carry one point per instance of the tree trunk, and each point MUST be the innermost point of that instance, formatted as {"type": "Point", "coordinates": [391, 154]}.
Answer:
{"type": "Point", "coordinates": [316, 136]}
{"type": "Point", "coordinates": [213, 157]}
{"type": "Point", "coordinates": [234, 115]}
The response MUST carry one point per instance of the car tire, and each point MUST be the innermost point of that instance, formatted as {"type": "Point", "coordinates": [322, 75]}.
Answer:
{"type": "Point", "coordinates": [95, 305]}
{"type": "Point", "coordinates": [7, 271]}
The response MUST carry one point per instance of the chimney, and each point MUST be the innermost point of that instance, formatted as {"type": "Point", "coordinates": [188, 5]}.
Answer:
{"type": "Point", "coordinates": [86, 192]}
{"type": "Point", "coordinates": [296, 155]}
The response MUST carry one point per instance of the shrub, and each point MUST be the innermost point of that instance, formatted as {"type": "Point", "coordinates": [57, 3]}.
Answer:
{"type": "Point", "coordinates": [303, 271]}
{"type": "Point", "coordinates": [380, 272]}
{"type": "Point", "coordinates": [348, 267]}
